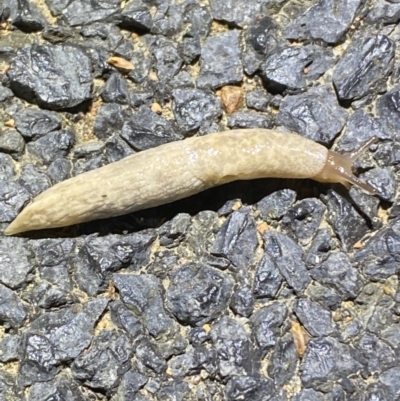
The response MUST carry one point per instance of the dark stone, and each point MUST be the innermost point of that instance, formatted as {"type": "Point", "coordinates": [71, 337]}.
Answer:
{"type": "Point", "coordinates": [266, 324]}
{"type": "Point", "coordinates": [12, 198]}
{"type": "Point", "coordinates": [338, 273]}
{"type": "Point", "coordinates": [235, 353]}
{"type": "Point", "coordinates": [194, 108]}
{"type": "Point", "coordinates": [363, 69]}
{"type": "Point", "coordinates": [52, 146]}
{"type": "Point", "coordinates": [380, 256]}
{"type": "Point", "coordinates": [107, 358]}
{"type": "Point", "coordinates": [291, 67]}
{"type": "Point", "coordinates": [346, 221]}
{"type": "Point", "coordinates": [316, 319]}
{"type": "Point", "coordinates": [249, 388]}
{"type": "Point", "coordinates": [116, 90]}
{"type": "Point", "coordinates": [54, 77]}
{"type": "Point", "coordinates": [11, 142]}
{"type": "Point", "coordinates": [302, 220]}
{"type": "Point", "coordinates": [336, 18]}
{"type": "Point", "coordinates": [237, 239]}
{"type": "Point", "coordinates": [249, 119]}
{"type": "Point", "coordinates": [145, 130]}
{"type": "Point", "coordinates": [198, 293]}
{"type": "Point", "coordinates": [314, 114]}
{"type": "Point", "coordinates": [143, 293]}
{"type": "Point", "coordinates": [267, 278]}
{"type": "Point", "coordinates": [274, 206]}
{"type": "Point", "coordinates": [335, 358]}
{"type": "Point", "coordinates": [34, 180]}
{"type": "Point", "coordinates": [220, 62]}
{"type": "Point", "coordinates": [288, 257]}
{"type": "Point", "coordinates": [34, 123]}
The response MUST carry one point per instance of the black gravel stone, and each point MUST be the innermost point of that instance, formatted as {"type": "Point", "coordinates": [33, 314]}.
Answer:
{"type": "Point", "coordinates": [338, 273]}
{"type": "Point", "coordinates": [25, 15]}
{"type": "Point", "coordinates": [385, 12]}
{"type": "Point", "coordinates": [12, 197]}
{"type": "Point", "coordinates": [266, 324]}
{"type": "Point", "coordinates": [108, 357]}
{"type": "Point", "coordinates": [136, 16]}
{"type": "Point", "coordinates": [242, 301]}
{"type": "Point", "coordinates": [363, 69]}
{"type": "Point", "coordinates": [220, 61]}
{"type": "Point", "coordinates": [267, 278]}
{"type": "Point", "coordinates": [189, 49]}
{"type": "Point", "coordinates": [145, 130]}
{"type": "Point", "coordinates": [116, 90]}
{"type": "Point", "coordinates": [288, 257]}
{"type": "Point", "coordinates": [198, 293]}
{"type": "Point", "coordinates": [376, 352]}
{"type": "Point", "coordinates": [194, 108]}
{"type": "Point", "coordinates": [109, 119]}
{"type": "Point", "coordinates": [379, 257]}
{"type": "Point", "coordinates": [249, 119]}
{"type": "Point", "coordinates": [388, 109]}
{"type": "Point", "coordinates": [283, 361]}
{"type": "Point", "coordinates": [237, 239]}
{"type": "Point", "coordinates": [360, 128]}
{"type": "Point", "coordinates": [35, 69]}
{"type": "Point", "coordinates": [81, 12]}
{"type": "Point", "coordinates": [193, 361]}
{"type": "Point", "coordinates": [99, 257]}
{"type": "Point", "coordinates": [62, 387]}
{"type": "Point", "coordinates": [168, 61]}
{"type": "Point", "coordinates": [235, 353]}
{"type": "Point", "coordinates": [144, 295]}
{"type": "Point", "coordinates": [12, 310]}
{"type": "Point", "coordinates": [250, 388]}
{"type": "Point", "coordinates": [132, 381]}
{"type": "Point", "coordinates": [34, 123]}
{"type": "Point", "coordinates": [274, 206]}
{"type": "Point", "coordinates": [34, 180]}
{"type": "Point", "coordinates": [289, 68]}
{"type": "Point", "coordinates": [320, 248]}
{"type": "Point", "coordinates": [52, 146]}
{"type": "Point", "coordinates": [346, 221]}
{"type": "Point", "coordinates": [57, 337]}
{"type": "Point", "coordinates": [302, 220]}
{"type": "Point", "coordinates": [5, 94]}
{"type": "Point", "coordinates": [12, 142]}
{"type": "Point", "coordinates": [9, 348]}
{"type": "Point", "coordinates": [7, 169]}
{"type": "Point", "coordinates": [116, 149]}
{"type": "Point", "coordinates": [57, 34]}
{"type": "Point", "coordinates": [235, 11]}
{"type": "Point", "coordinates": [314, 114]}
{"type": "Point", "coordinates": [258, 99]}
{"type": "Point", "coordinates": [316, 319]}
{"type": "Point", "coordinates": [325, 361]}
{"type": "Point", "coordinates": [59, 170]}
{"type": "Point", "coordinates": [150, 356]}
{"type": "Point", "coordinates": [142, 65]}
{"type": "Point", "coordinates": [383, 180]}
{"type": "Point", "coordinates": [336, 18]}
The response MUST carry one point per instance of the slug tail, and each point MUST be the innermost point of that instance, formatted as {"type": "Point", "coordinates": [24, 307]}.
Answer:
{"type": "Point", "coordinates": [338, 168]}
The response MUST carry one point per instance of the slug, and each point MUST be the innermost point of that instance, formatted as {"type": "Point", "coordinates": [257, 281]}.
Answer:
{"type": "Point", "coordinates": [179, 169]}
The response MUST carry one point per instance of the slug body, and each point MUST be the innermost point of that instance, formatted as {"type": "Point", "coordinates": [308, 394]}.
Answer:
{"type": "Point", "coordinates": [179, 169]}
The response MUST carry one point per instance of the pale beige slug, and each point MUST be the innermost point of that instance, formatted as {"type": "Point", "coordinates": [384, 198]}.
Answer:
{"type": "Point", "coordinates": [179, 169]}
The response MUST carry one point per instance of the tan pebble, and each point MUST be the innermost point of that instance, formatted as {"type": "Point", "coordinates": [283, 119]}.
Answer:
{"type": "Point", "coordinates": [232, 98]}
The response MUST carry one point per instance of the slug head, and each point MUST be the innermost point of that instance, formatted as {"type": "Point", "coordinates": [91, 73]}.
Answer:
{"type": "Point", "coordinates": [338, 168]}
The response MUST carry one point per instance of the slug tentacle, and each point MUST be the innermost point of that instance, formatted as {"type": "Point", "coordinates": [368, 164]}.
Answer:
{"type": "Point", "coordinates": [338, 168]}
